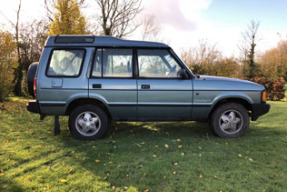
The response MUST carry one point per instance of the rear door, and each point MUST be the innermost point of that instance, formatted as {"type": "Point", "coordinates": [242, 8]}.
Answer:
{"type": "Point", "coordinates": [63, 78]}
{"type": "Point", "coordinates": [162, 93]}
{"type": "Point", "coordinates": [112, 82]}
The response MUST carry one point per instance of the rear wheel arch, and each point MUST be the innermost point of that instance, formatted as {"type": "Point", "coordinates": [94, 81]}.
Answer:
{"type": "Point", "coordinates": [77, 102]}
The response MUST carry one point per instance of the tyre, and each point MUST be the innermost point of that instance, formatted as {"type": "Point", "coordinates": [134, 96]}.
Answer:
{"type": "Point", "coordinates": [230, 120]}
{"type": "Point", "coordinates": [88, 122]}
{"type": "Point", "coordinates": [30, 77]}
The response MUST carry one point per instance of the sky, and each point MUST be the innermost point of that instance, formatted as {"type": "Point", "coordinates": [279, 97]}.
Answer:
{"type": "Point", "coordinates": [184, 23]}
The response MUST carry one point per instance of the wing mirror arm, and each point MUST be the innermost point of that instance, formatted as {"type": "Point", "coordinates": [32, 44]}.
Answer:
{"type": "Point", "coordinates": [184, 74]}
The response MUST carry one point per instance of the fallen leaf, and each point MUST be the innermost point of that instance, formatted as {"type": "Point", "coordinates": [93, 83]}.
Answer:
{"type": "Point", "coordinates": [180, 146]}
{"type": "Point", "coordinates": [63, 180]}
{"type": "Point", "coordinates": [97, 160]}
{"type": "Point", "coordinates": [200, 176]}
{"type": "Point", "coordinates": [166, 146]}
{"type": "Point", "coordinates": [239, 155]}
{"type": "Point", "coordinates": [154, 156]}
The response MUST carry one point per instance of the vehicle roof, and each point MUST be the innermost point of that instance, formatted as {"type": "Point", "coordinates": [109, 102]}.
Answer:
{"type": "Point", "coordinates": [98, 41]}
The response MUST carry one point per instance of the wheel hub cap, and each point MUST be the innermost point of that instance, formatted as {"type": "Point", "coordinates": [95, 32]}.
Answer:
{"type": "Point", "coordinates": [88, 123]}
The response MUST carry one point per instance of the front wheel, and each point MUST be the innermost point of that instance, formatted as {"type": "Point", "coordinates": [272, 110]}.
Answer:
{"type": "Point", "coordinates": [230, 120]}
{"type": "Point", "coordinates": [88, 122]}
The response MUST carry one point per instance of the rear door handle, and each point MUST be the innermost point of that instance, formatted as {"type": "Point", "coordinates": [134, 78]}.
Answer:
{"type": "Point", "coordinates": [145, 86]}
{"type": "Point", "coordinates": [97, 86]}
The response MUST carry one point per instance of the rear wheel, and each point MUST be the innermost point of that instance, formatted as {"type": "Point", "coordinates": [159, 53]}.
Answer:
{"type": "Point", "coordinates": [88, 122]}
{"type": "Point", "coordinates": [230, 120]}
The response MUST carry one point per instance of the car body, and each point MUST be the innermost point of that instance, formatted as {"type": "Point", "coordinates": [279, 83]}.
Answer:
{"type": "Point", "coordinates": [126, 80]}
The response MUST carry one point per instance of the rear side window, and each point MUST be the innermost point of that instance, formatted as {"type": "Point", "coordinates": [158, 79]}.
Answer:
{"type": "Point", "coordinates": [113, 63]}
{"type": "Point", "coordinates": [65, 63]}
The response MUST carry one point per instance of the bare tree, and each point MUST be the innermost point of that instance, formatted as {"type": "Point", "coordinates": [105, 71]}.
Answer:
{"type": "Point", "coordinates": [247, 47]}
{"type": "Point", "coordinates": [203, 58]}
{"type": "Point", "coordinates": [18, 72]}
{"type": "Point", "coordinates": [117, 15]}
{"type": "Point", "coordinates": [151, 29]}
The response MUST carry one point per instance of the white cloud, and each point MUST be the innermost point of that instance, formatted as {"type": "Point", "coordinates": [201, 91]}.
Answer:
{"type": "Point", "coordinates": [183, 25]}
{"type": "Point", "coordinates": [180, 14]}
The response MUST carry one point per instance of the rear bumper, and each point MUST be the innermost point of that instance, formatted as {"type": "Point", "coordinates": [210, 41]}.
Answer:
{"type": "Point", "coordinates": [33, 106]}
{"type": "Point", "coordinates": [258, 110]}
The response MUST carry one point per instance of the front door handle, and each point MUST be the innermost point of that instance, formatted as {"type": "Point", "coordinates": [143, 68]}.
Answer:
{"type": "Point", "coordinates": [145, 86]}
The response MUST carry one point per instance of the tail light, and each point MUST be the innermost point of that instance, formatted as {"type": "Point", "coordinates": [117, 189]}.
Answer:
{"type": "Point", "coordinates": [264, 96]}
{"type": "Point", "coordinates": [34, 87]}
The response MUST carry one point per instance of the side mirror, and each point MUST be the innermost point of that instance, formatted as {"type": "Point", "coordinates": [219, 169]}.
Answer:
{"type": "Point", "coordinates": [182, 73]}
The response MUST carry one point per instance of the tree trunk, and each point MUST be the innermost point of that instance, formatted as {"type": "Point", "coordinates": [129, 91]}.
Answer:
{"type": "Point", "coordinates": [18, 73]}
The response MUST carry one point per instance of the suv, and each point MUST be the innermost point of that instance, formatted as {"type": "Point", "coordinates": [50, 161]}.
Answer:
{"type": "Point", "coordinates": [96, 80]}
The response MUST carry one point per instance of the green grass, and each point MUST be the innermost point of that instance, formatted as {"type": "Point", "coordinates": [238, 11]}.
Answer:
{"type": "Point", "coordinates": [177, 156]}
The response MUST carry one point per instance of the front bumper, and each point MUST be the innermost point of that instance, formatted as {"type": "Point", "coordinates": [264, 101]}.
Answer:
{"type": "Point", "coordinates": [33, 106]}
{"type": "Point", "coordinates": [258, 110]}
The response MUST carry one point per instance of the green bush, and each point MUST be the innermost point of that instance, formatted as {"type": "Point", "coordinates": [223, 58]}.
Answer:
{"type": "Point", "coordinates": [7, 63]}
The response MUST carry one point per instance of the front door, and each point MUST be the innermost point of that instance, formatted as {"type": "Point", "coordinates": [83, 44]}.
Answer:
{"type": "Point", "coordinates": [162, 93]}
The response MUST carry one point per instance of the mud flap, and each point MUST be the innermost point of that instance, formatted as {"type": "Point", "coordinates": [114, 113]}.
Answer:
{"type": "Point", "coordinates": [57, 130]}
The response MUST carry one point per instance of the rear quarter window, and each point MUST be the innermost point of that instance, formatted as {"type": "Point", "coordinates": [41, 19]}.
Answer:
{"type": "Point", "coordinates": [65, 63]}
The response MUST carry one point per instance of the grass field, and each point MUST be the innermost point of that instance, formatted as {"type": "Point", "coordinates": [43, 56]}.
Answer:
{"type": "Point", "coordinates": [141, 156]}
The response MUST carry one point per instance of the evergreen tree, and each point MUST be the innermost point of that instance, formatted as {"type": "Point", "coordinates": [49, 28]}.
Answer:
{"type": "Point", "coordinates": [67, 19]}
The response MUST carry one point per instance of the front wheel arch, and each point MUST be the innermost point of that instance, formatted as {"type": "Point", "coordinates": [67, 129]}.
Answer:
{"type": "Point", "coordinates": [242, 102]}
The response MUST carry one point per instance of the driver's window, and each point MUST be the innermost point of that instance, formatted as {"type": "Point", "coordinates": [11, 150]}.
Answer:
{"type": "Point", "coordinates": [65, 63]}
{"type": "Point", "coordinates": [155, 63]}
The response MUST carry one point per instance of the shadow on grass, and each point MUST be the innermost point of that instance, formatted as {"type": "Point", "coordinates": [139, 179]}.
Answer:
{"type": "Point", "coordinates": [161, 129]}
{"type": "Point", "coordinates": [9, 185]}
